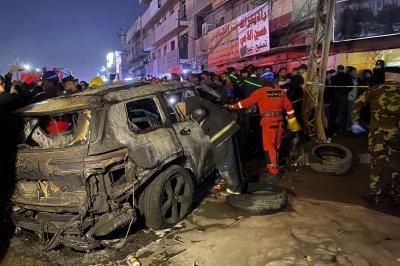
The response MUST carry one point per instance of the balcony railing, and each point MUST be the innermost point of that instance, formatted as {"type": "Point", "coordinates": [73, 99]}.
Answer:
{"type": "Point", "coordinates": [195, 6]}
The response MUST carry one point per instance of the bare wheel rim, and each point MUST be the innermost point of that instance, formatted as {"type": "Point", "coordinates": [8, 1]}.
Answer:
{"type": "Point", "coordinates": [175, 200]}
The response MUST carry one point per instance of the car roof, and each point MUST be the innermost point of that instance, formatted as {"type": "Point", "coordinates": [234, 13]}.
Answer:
{"type": "Point", "coordinates": [113, 92]}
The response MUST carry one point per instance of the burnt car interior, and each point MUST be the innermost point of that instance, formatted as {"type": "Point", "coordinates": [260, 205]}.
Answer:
{"type": "Point", "coordinates": [52, 131]}
{"type": "Point", "coordinates": [143, 114]}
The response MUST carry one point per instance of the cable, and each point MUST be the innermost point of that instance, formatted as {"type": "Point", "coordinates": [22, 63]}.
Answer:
{"type": "Point", "coordinates": [80, 64]}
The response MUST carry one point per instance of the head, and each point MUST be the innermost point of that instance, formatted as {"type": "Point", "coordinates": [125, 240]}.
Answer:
{"type": "Point", "coordinates": [340, 68]}
{"type": "Point", "coordinates": [367, 74]}
{"type": "Point", "coordinates": [392, 74]}
{"type": "Point", "coordinates": [244, 73]}
{"type": "Point", "coordinates": [230, 70]}
{"type": "Point", "coordinates": [268, 67]}
{"type": "Point", "coordinates": [212, 75]}
{"type": "Point", "coordinates": [164, 79]}
{"type": "Point", "coordinates": [2, 83]}
{"type": "Point", "coordinates": [352, 71]}
{"type": "Point", "coordinates": [175, 77]}
{"type": "Point", "coordinates": [49, 80]}
{"type": "Point", "coordinates": [255, 70]}
{"type": "Point", "coordinates": [330, 73]}
{"type": "Point", "coordinates": [69, 83]}
{"type": "Point", "coordinates": [84, 85]}
{"type": "Point", "coordinates": [95, 82]}
{"type": "Point", "coordinates": [295, 71]}
{"type": "Point", "coordinates": [225, 76]}
{"type": "Point", "coordinates": [259, 70]}
{"type": "Point", "coordinates": [216, 79]}
{"type": "Point", "coordinates": [302, 69]}
{"type": "Point", "coordinates": [282, 73]}
{"type": "Point", "coordinates": [379, 64]}
{"type": "Point", "coordinates": [204, 74]}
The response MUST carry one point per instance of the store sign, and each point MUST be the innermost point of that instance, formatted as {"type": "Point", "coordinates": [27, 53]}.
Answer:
{"type": "Point", "coordinates": [362, 19]}
{"type": "Point", "coordinates": [155, 67]}
{"type": "Point", "coordinates": [217, 3]}
{"type": "Point", "coordinates": [172, 58]}
{"type": "Point", "coordinates": [223, 44]}
{"type": "Point", "coordinates": [253, 31]}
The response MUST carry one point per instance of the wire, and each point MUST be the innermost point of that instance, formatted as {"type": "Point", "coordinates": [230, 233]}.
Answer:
{"type": "Point", "coordinates": [83, 63]}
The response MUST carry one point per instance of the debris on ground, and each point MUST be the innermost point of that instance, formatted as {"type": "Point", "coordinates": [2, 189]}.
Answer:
{"type": "Point", "coordinates": [132, 261]}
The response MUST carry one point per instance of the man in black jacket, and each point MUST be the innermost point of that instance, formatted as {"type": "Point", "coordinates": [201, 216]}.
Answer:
{"type": "Point", "coordinates": [219, 126]}
{"type": "Point", "coordinates": [344, 83]}
{"type": "Point", "coordinates": [252, 83]}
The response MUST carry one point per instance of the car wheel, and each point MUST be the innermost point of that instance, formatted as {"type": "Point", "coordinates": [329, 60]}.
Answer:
{"type": "Point", "coordinates": [260, 199]}
{"type": "Point", "coordinates": [330, 158]}
{"type": "Point", "coordinates": [168, 198]}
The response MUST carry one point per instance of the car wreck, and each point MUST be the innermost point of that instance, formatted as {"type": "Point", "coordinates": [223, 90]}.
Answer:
{"type": "Point", "coordinates": [92, 163]}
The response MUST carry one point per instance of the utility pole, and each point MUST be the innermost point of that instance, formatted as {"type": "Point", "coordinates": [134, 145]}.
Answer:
{"type": "Point", "coordinates": [16, 62]}
{"type": "Point", "coordinates": [124, 52]}
{"type": "Point", "coordinates": [315, 84]}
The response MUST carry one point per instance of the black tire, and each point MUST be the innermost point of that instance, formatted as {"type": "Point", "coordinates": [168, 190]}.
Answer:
{"type": "Point", "coordinates": [260, 199]}
{"type": "Point", "coordinates": [167, 199]}
{"type": "Point", "coordinates": [330, 158]}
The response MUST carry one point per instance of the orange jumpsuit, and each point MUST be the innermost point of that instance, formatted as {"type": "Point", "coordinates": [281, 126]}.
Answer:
{"type": "Point", "coordinates": [271, 102]}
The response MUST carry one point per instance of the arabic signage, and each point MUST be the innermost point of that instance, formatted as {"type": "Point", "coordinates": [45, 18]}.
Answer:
{"type": "Point", "coordinates": [253, 31]}
{"type": "Point", "coordinates": [217, 3]}
{"type": "Point", "coordinates": [172, 58]}
{"type": "Point", "coordinates": [362, 19]}
{"type": "Point", "coordinates": [223, 44]}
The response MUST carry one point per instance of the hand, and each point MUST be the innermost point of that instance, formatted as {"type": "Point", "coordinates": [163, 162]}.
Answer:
{"type": "Point", "coordinates": [293, 125]}
{"type": "Point", "coordinates": [14, 69]}
{"type": "Point", "coordinates": [228, 106]}
{"type": "Point", "coordinates": [357, 129]}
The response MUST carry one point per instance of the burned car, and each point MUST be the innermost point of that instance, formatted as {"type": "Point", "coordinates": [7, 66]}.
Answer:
{"type": "Point", "coordinates": [91, 163]}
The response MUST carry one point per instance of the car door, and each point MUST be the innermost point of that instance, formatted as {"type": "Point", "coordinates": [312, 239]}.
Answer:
{"type": "Point", "coordinates": [196, 145]}
{"type": "Point", "coordinates": [151, 142]}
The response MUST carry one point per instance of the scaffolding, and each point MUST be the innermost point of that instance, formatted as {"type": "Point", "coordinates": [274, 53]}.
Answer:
{"type": "Point", "coordinates": [316, 71]}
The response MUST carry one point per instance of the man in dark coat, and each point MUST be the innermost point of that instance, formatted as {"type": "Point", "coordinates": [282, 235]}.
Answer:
{"type": "Point", "coordinates": [219, 126]}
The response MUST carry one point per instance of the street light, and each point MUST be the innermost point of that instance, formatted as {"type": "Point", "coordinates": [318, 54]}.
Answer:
{"type": "Point", "coordinates": [27, 67]}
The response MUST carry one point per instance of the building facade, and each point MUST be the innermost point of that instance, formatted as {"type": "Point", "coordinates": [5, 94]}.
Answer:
{"type": "Point", "coordinates": [176, 36]}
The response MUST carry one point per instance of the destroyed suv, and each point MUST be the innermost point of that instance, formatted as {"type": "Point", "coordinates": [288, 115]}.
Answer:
{"type": "Point", "coordinates": [86, 163]}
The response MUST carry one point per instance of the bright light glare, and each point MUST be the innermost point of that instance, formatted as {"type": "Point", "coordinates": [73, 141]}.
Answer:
{"type": "Point", "coordinates": [172, 100]}
{"type": "Point", "coordinates": [184, 71]}
{"type": "Point", "coordinates": [37, 69]}
{"type": "Point", "coordinates": [27, 67]}
{"type": "Point", "coordinates": [127, 79]}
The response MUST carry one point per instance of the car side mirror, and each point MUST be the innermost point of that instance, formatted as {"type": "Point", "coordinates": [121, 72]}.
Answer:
{"type": "Point", "coordinates": [185, 131]}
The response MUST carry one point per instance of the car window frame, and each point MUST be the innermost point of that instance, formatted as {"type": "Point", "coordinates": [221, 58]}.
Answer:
{"type": "Point", "coordinates": [160, 109]}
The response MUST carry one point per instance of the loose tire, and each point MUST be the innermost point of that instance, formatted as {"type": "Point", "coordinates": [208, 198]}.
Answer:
{"type": "Point", "coordinates": [167, 199]}
{"type": "Point", "coordinates": [330, 158]}
{"type": "Point", "coordinates": [260, 199]}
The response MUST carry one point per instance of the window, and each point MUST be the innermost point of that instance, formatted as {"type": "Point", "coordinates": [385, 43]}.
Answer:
{"type": "Point", "coordinates": [165, 49]}
{"type": "Point", "coordinates": [159, 53]}
{"type": "Point", "coordinates": [172, 45]}
{"type": "Point", "coordinates": [143, 114]}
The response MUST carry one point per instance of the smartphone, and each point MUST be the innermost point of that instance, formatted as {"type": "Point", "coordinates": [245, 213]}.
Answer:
{"type": "Point", "coordinates": [21, 69]}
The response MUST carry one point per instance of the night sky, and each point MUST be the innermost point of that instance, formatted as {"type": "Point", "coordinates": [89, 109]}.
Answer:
{"type": "Point", "coordinates": [64, 33]}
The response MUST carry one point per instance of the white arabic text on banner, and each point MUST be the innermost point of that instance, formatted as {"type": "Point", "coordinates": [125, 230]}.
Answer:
{"type": "Point", "coordinates": [253, 31]}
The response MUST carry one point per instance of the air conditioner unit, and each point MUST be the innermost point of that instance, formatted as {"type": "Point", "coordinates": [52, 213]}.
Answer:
{"type": "Point", "coordinates": [206, 28]}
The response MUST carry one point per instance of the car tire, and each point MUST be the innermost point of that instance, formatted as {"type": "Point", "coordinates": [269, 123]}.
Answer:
{"type": "Point", "coordinates": [260, 199]}
{"type": "Point", "coordinates": [168, 198]}
{"type": "Point", "coordinates": [330, 158]}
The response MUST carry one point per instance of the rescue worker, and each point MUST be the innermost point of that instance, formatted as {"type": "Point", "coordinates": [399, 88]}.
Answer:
{"type": "Point", "coordinates": [95, 82]}
{"type": "Point", "coordinates": [271, 102]}
{"type": "Point", "coordinates": [384, 135]}
{"type": "Point", "coordinates": [219, 126]}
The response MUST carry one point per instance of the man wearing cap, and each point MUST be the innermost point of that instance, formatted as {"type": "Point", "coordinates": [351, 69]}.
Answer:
{"type": "Point", "coordinates": [49, 83]}
{"type": "Point", "coordinates": [70, 84]}
{"type": "Point", "coordinates": [384, 136]}
{"type": "Point", "coordinates": [378, 77]}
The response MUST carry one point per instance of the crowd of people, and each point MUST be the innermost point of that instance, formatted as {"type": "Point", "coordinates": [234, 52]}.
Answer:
{"type": "Point", "coordinates": [44, 85]}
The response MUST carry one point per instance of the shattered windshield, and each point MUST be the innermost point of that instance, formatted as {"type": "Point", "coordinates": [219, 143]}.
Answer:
{"type": "Point", "coordinates": [55, 131]}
